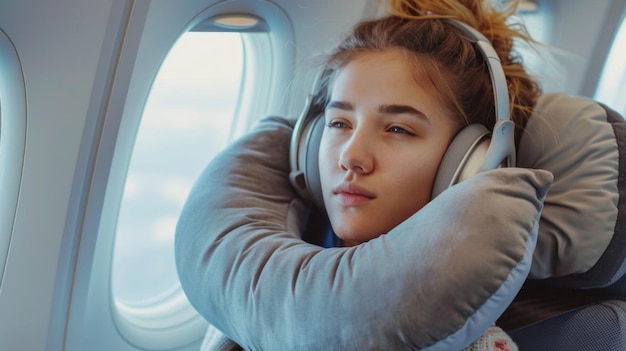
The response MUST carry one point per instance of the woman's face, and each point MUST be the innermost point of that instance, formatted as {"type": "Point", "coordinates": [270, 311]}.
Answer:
{"type": "Point", "coordinates": [384, 138]}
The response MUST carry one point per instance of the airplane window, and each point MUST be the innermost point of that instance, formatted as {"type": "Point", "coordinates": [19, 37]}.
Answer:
{"type": "Point", "coordinates": [186, 121]}
{"type": "Point", "coordinates": [536, 59]}
{"type": "Point", "coordinates": [12, 140]}
{"type": "Point", "coordinates": [612, 86]}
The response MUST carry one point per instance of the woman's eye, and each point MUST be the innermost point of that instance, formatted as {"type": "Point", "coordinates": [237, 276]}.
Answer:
{"type": "Point", "coordinates": [336, 124]}
{"type": "Point", "coordinates": [400, 130]}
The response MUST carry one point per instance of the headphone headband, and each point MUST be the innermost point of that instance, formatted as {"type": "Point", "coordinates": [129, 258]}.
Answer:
{"type": "Point", "coordinates": [498, 78]}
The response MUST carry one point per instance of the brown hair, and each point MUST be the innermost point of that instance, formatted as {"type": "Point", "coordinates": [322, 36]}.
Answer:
{"type": "Point", "coordinates": [443, 57]}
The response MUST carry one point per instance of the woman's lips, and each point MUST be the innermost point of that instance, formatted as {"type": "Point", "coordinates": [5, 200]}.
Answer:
{"type": "Point", "coordinates": [350, 194]}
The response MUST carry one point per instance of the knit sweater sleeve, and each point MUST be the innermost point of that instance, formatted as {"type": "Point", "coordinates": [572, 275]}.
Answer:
{"type": "Point", "coordinates": [494, 339]}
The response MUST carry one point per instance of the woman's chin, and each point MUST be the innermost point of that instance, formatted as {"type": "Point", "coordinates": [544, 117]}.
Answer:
{"type": "Point", "coordinates": [350, 243]}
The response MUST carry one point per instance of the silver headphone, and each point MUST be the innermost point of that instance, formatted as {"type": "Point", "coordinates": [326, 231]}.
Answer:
{"type": "Point", "coordinates": [474, 149]}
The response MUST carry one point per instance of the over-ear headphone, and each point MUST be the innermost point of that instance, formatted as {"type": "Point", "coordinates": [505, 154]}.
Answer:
{"type": "Point", "coordinates": [474, 149]}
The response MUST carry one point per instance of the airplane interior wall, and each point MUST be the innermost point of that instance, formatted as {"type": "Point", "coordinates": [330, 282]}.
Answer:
{"type": "Point", "coordinates": [59, 47]}
{"type": "Point", "coordinates": [576, 27]}
{"type": "Point", "coordinates": [87, 68]}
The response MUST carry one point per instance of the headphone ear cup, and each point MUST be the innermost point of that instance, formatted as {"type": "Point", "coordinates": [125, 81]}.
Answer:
{"type": "Point", "coordinates": [310, 161]}
{"type": "Point", "coordinates": [304, 158]}
{"type": "Point", "coordinates": [463, 158]}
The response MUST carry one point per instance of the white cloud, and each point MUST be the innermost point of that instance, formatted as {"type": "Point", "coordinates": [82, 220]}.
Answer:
{"type": "Point", "coordinates": [163, 230]}
{"type": "Point", "coordinates": [176, 189]}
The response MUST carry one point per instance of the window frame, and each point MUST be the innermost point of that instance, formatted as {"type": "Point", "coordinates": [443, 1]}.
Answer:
{"type": "Point", "coordinates": [142, 48]}
{"type": "Point", "coordinates": [12, 140]}
{"type": "Point", "coordinates": [132, 223]}
{"type": "Point", "coordinates": [168, 316]}
{"type": "Point", "coordinates": [615, 18]}
{"type": "Point", "coordinates": [601, 92]}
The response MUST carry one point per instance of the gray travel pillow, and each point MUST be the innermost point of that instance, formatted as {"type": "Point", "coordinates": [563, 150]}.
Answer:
{"type": "Point", "coordinates": [582, 233]}
{"type": "Point", "coordinates": [437, 281]}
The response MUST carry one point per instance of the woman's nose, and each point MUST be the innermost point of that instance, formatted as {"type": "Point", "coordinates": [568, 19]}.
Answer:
{"type": "Point", "coordinates": [356, 155]}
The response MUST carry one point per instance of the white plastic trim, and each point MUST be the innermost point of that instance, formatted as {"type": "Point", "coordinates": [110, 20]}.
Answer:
{"type": "Point", "coordinates": [162, 325]}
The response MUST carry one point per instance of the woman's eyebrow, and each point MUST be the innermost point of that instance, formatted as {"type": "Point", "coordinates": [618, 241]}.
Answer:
{"type": "Point", "coordinates": [385, 109]}
{"type": "Point", "coordinates": [341, 105]}
{"type": "Point", "coordinates": [402, 109]}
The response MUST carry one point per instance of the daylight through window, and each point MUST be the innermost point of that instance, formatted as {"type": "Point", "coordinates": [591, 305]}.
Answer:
{"type": "Point", "coordinates": [186, 121]}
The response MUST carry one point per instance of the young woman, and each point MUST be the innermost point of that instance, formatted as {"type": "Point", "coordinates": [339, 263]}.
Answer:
{"type": "Point", "coordinates": [395, 93]}
{"type": "Point", "coordinates": [397, 90]}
